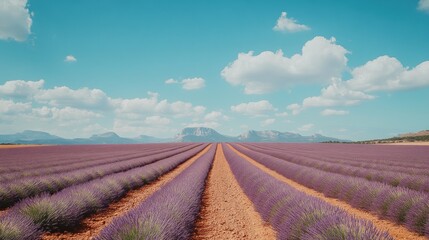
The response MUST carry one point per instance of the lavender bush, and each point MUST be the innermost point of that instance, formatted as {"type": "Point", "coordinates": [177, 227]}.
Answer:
{"type": "Point", "coordinates": [13, 191]}
{"type": "Point", "coordinates": [293, 214]}
{"type": "Point", "coordinates": [65, 209]}
{"type": "Point", "coordinates": [384, 175]}
{"type": "Point", "coordinates": [394, 203]}
{"type": "Point", "coordinates": [169, 213]}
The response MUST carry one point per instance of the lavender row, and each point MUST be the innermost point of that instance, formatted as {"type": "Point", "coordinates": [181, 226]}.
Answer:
{"type": "Point", "coordinates": [47, 156]}
{"type": "Point", "coordinates": [65, 209]}
{"type": "Point", "coordinates": [169, 213]}
{"type": "Point", "coordinates": [84, 163]}
{"type": "Point", "coordinates": [401, 205]}
{"type": "Point", "coordinates": [399, 156]}
{"type": "Point", "coordinates": [358, 161]}
{"type": "Point", "coordinates": [293, 214]}
{"type": "Point", "coordinates": [418, 182]}
{"type": "Point", "coordinates": [13, 191]}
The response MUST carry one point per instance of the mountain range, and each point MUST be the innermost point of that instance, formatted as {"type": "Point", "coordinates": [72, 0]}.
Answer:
{"type": "Point", "coordinates": [197, 134]}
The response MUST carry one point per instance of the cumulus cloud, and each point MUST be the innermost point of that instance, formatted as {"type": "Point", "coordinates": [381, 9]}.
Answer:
{"type": "Point", "coordinates": [29, 102]}
{"type": "Point", "coordinates": [336, 94]}
{"type": "Point", "coordinates": [188, 83]}
{"type": "Point", "coordinates": [282, 114]}
{"type": "Point", "coordinates": [254, 109]}
{"type": "Point", "coordinates": [70, 58]}
{"type": "Point", "coordinates": [388, 74]}
{"type": "Point", "coordinates": [295, 108]}
{"type": "Point", "coordinates": [193, 83]}
{"type": "Point", "coordinates": [80, 98]}
{"type": "Point", "coordinates": [15, 20]}
{"type": "Point", "coordinates": [331, 112]}
{"type": "Point", "coordinates": [215, 116]}
{"type": "Point", "coordinates": [268, 122]}
{"type": "Point", "coordinates": [65, 114]}
{"type": "Point", "coordinates": [207, 124]}
{"type": "Point", "coordinates": [306, 127]}
{"type": "Point", "coordinates": [9, 107]}
{"type": "Point", "coordinates": [285, 24]}
{"type": "Point", "coordinates": [383, 74]}
{"type": "Point", "coordinates": [21, 89]}
{"type": "Point", "coordinates": [171, 81]}
{"type": "Point", "coordinates": [320, 61]}
{"type": "Point", "coordinates": [157, 120]}
{"type": "Point", "coordinates": [423, 5]}
{"type": "Point", "coordinates": [138, 107]}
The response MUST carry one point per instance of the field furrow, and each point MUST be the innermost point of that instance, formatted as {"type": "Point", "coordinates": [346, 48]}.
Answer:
{"type": "Point", "coordinates": [92, 225]}
{"type": "Point", "coordinates": [395, 230]}
{"type": "Point", "coordinates": [226, 211]}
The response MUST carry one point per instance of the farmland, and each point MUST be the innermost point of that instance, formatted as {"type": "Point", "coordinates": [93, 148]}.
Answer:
{"type": "Point", "coordinates": [215, 191]}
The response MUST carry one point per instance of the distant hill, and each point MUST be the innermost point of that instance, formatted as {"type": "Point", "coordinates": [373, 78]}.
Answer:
{"type": "Point", "coordinates": [202, 134]}
{"type": "Point", "coordinates": [276, 136]}
{"type": "Point", "coordinates": [197, 134]}
{"type": "Point", "coordinates": [416, 134]}
{"type": "Point", "coordinates": [421, 136]}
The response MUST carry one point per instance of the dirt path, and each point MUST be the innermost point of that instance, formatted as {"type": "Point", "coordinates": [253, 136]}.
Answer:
{"type": "Point", "coordinates": [396, 231]}
{"type": "Point", "coordinates": [19, 145]}
{"type": "Point", "coordinates": [226, 211]}
{"type": "Point", "coordinates": [92, 225]}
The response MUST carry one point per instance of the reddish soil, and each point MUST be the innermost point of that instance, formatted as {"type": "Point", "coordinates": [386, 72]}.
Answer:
{"type": "Point", "coordinates": [19, 145]}
{"type": "Point", "coordinates": [226, 211]}
{"type": "Point", "coordinates": [92, 225]}
{"type": "Point", "coordinates": [396, 231]}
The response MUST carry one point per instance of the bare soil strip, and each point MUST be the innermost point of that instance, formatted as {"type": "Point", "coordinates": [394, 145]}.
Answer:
{"type": "Point", "coordinates": [407, 143]}
{"type": "Point", "coordinates": [19, 145]}
{"type": "Point", "coordinates": [396, 231]}
{"type": "Point", "coordinates": [92, 225]}
{"type": "Point", "coordinates": [226, 211]}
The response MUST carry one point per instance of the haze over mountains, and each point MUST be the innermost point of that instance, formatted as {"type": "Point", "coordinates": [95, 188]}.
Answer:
{"type": "Point", "coordinates": [198, 134]}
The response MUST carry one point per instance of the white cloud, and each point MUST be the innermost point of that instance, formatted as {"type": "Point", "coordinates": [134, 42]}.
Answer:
{"type": "Point", "coordinates": [171, 81]}
{"type": "Point", "coordinates": [140, 107]}
{"type": "Point", "coordinates": [15, 20]}
{"type": "Point", "coordinates": [383, 74]}
{"type": "Point", "coordinates": [80, 98]}
{"type": "Point", "coordinates": [70, 58]}
{"type": "Point", "coordinates": [208, 124]}
{"type": "Point", "coordinates": [65, 114]}
{"type": "Point", "coordinates": [21, 89]}
{"type": "Point", "coordinates": [306, 127]}
{"type": "Point", "coordinates": [157, 120]}
{"type": "Point", "coordinates": [320, 61]}
{"type": "Point", "coordinates": [282, 114]}
{"type": "Point", "coordinates": [254, 109]}
{"type": "Point", "coordinates": [387, 74]}
{"type": "Point", "coordinates": [336, 94]}
{"type": "Point", "coordinates": [268, 122]}
{"type": "Point", "coordinates": [423, 5]}
{"type": "Point", "coordinates": [295, 108]}
{"type": "Point", "coordinates": [10, 107]}
{"type": "Point", "coordinates": [330, 112]}
{"type": "Point", "coordinates": [285, 24]}
{"type": "Point", "coordinates": [215, 116]}
{"type": "Point", "coordinates": [66, 111]}
{"type": "Point", "coordinates": [193, 83]}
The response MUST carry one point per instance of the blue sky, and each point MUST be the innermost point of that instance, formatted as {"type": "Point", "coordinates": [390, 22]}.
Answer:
{"type": "Point", "coordinates": [348, 69]}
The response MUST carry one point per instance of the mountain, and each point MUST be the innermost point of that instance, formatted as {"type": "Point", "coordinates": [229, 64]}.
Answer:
{"type": "Point", "coordinates": [196, 134]}
{"type": "Point", "coordinates": [421, 136]}
{"type": "Point", "coordinates": [415, 134]}
{"type": "Point", "coordinates": [276, 136]}
{"type": "Point", "coordinates": [201, 134]}
{"type": "Point", "coordinates": [110, 138]}
{"type": "Point", "coordinates": [29, 136]}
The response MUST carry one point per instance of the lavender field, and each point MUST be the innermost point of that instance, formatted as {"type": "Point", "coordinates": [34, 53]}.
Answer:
{"type": "Point", "coordinates": [78, 192]}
